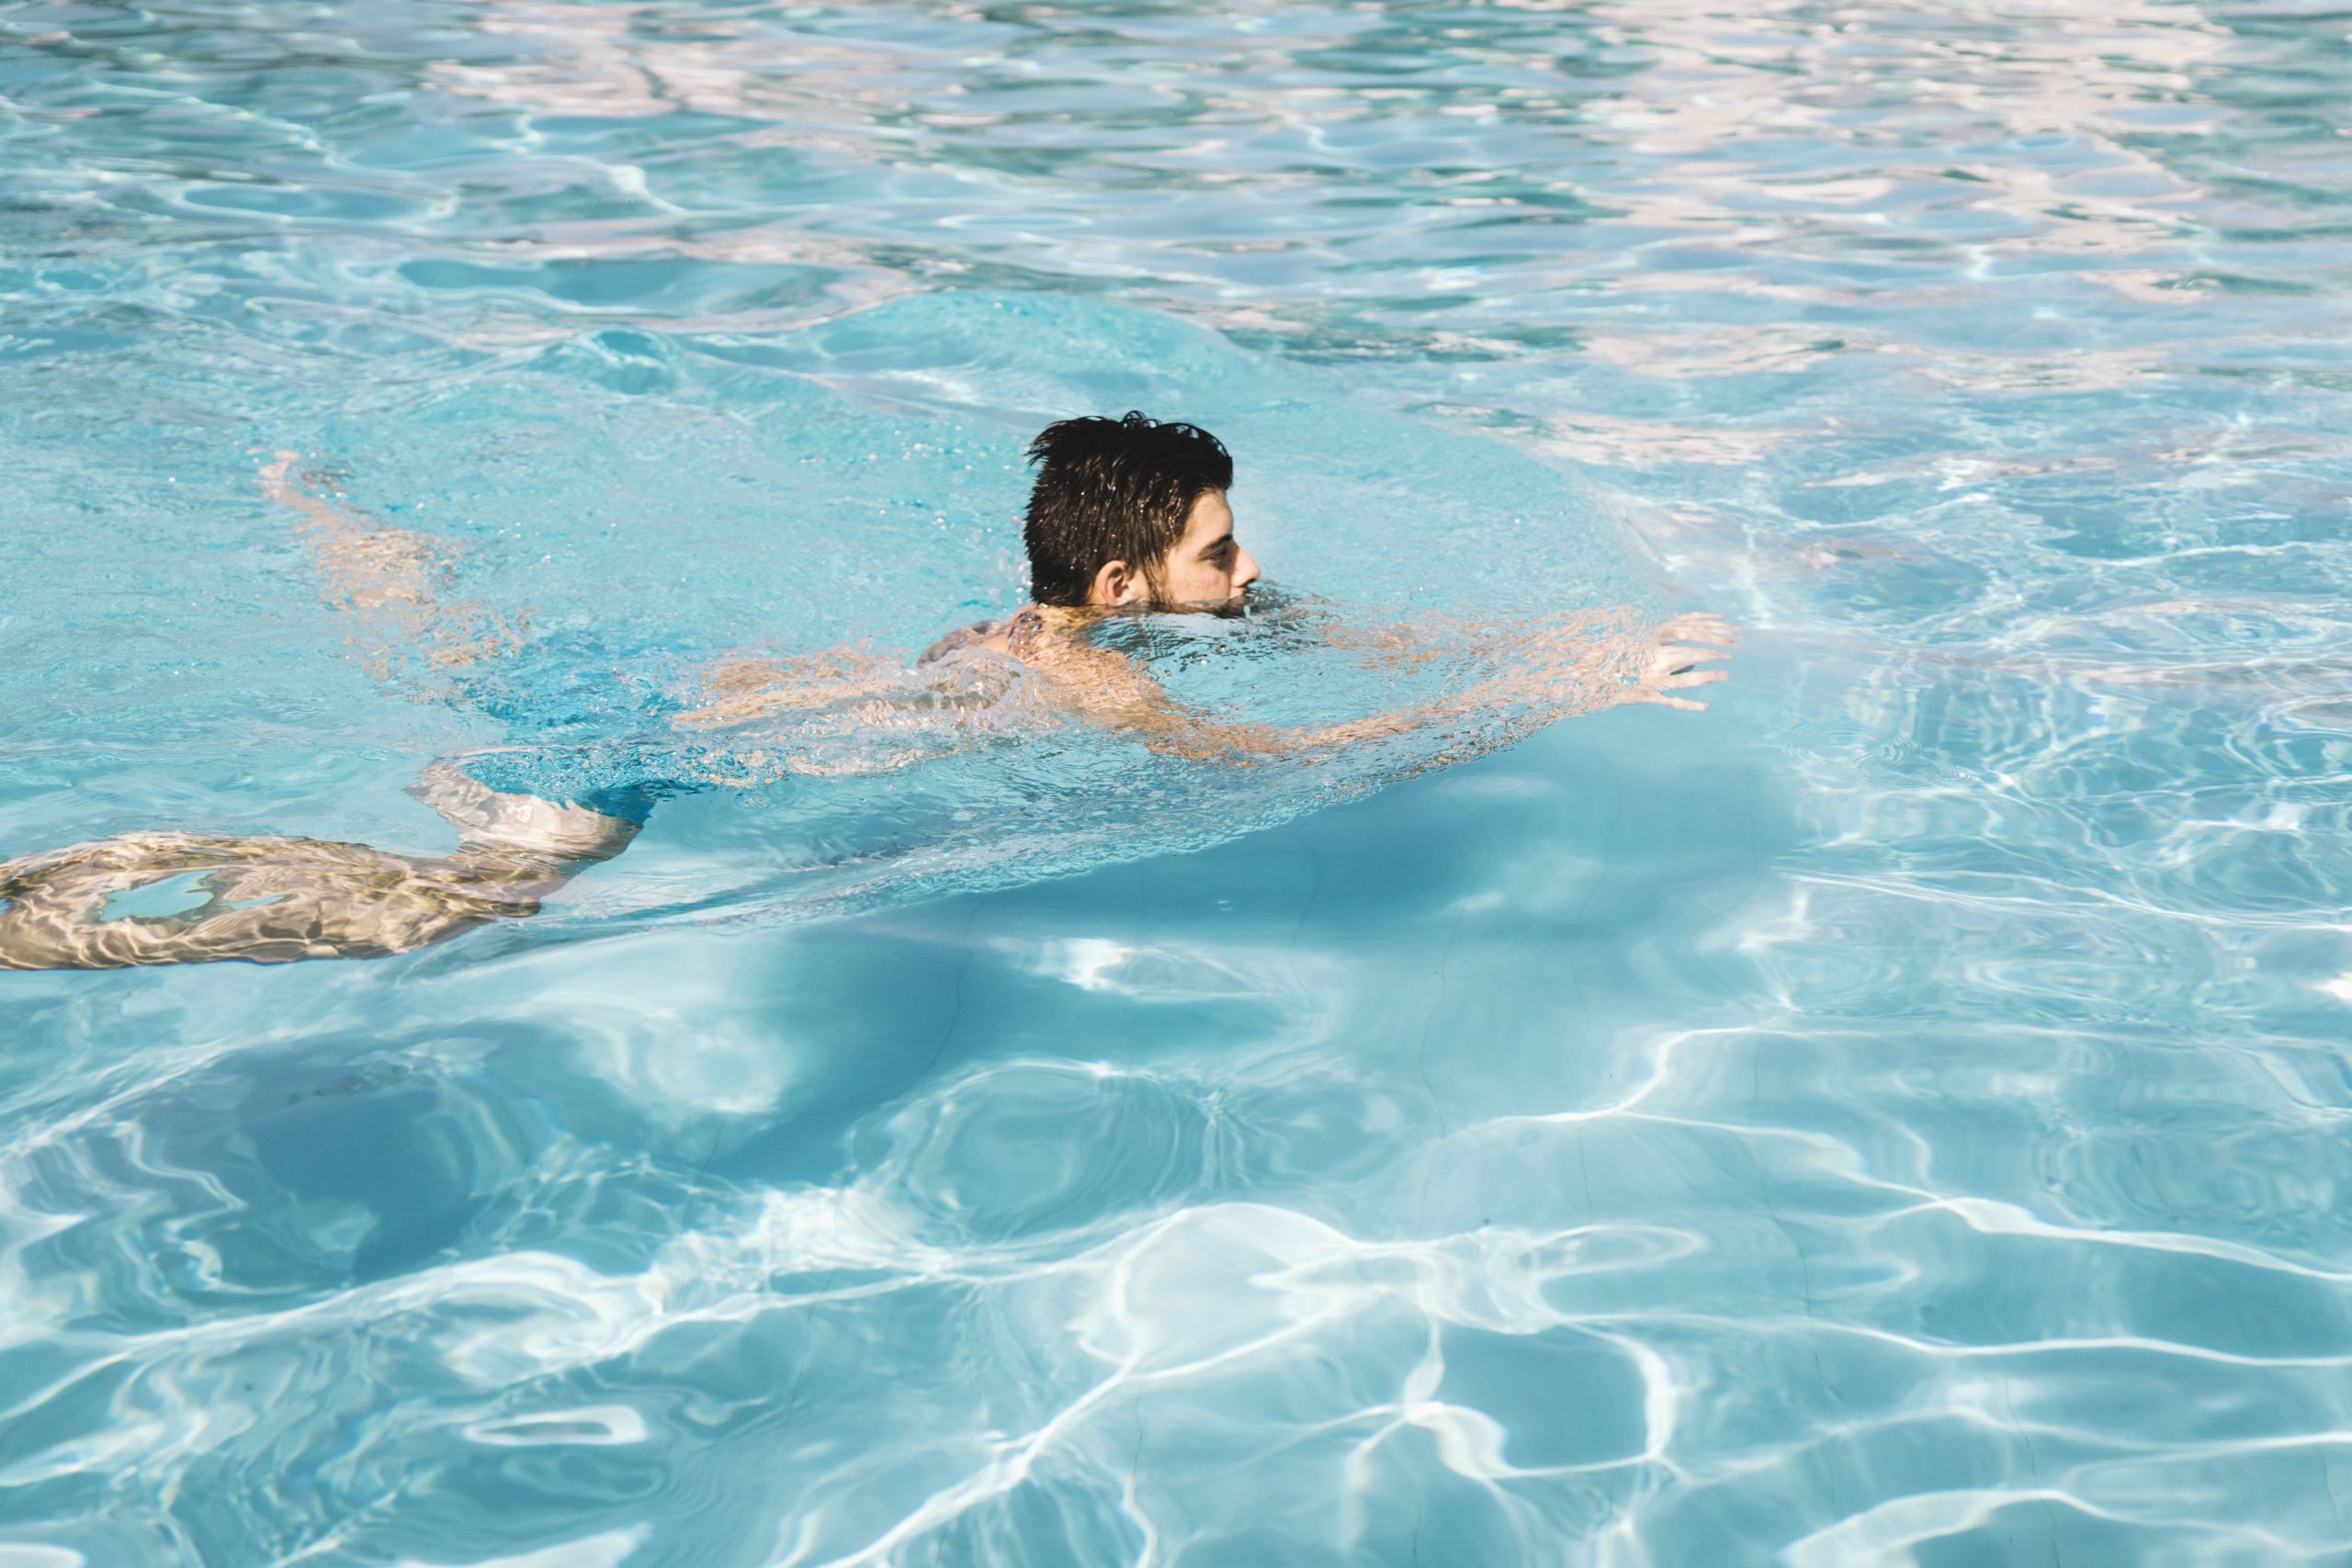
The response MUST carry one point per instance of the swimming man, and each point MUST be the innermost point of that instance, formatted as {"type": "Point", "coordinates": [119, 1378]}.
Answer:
{"type": "Point", "coordinates": [1127, 516]}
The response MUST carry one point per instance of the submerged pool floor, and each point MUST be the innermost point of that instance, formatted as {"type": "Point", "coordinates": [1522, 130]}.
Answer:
{"type": "Point", "coordinates": [1897, 1115]}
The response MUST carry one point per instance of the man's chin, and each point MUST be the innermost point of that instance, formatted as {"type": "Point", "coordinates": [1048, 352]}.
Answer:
{"type": "Point", "coordinates": [1198, 607]}
{"type": "Point", "coordinates": [1235, 608]}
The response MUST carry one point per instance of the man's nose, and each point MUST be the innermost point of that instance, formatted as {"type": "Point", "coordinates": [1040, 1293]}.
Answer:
{"type": "Point", "coordinates": [1249, 572]}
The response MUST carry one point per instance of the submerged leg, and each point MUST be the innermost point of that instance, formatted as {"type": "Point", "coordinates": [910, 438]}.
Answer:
{"type": "Point", "coordinates": [271, 900]}
{"type": "Point", "coordinates": [389, 578]}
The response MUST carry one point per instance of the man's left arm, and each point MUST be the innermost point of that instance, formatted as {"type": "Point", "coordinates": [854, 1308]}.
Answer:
{"type": "Point", "coordinates": [1567, 672]}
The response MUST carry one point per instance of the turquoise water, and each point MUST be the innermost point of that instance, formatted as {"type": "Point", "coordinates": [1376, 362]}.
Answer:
{"type": "Point", "coordinates": [1897, 1115]}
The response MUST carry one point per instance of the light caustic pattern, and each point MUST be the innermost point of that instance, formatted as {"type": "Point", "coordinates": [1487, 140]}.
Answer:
{"type": "Point", "coordinates": [1897, 1116]}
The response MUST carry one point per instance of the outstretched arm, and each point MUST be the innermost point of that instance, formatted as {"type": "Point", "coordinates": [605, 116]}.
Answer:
{"type": "Point", "coordinates": [1565, 670]}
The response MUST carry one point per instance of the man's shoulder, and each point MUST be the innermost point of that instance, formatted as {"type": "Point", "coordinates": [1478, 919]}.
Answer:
{"type": "Point", "coordinates": [980, 633]}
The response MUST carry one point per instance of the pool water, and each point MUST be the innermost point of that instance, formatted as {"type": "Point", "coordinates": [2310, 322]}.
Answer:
{"type": "Point", "coordinates": [1897, 1115]}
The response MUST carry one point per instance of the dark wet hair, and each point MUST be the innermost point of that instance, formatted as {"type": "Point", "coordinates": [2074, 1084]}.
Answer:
{"type": "Point", "coordinates": [1114, 490]}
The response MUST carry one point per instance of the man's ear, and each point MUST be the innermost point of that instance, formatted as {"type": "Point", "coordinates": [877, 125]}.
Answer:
{"type": "Point", "coordinates": [1115, 584]}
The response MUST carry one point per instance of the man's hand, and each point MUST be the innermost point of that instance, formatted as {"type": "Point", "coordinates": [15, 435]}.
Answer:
{"type": "Point", "coordinates": [1683, 644]}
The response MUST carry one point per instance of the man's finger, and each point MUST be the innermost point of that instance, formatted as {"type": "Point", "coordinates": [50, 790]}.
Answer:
{"type": "Point", "coordinates": [1695, 678]}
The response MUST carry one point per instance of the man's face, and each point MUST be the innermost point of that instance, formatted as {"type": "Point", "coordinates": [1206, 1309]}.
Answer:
{"type": "Point", "coordinates": [1207, 569]}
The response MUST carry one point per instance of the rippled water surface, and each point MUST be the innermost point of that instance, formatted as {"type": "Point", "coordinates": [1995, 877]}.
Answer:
{"type": "Point", "coordinates": [1898, 1115]}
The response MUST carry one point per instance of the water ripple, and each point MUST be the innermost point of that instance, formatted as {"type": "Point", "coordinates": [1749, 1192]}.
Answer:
{"type": "Point", "coordinates": [1896, 1117]}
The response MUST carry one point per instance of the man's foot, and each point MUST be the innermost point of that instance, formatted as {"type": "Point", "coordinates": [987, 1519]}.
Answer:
{"type": "Point", "coordinates": [492, 819]}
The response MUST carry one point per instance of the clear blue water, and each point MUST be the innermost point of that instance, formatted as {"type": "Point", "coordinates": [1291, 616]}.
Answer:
{"type": "Point", "coordinates": [1898, 1115]}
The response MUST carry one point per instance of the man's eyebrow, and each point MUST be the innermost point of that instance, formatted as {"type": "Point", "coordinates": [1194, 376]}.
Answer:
{"type": "Point", "coordinates": [1217, 543]}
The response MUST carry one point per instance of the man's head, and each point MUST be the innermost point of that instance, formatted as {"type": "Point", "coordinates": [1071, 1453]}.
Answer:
{"type": "Point", "coordinates": [1132, 512]}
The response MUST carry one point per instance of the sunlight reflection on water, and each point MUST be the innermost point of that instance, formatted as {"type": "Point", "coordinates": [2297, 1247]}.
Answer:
{"type": "Point", "coordinates": [1895, 1116]}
